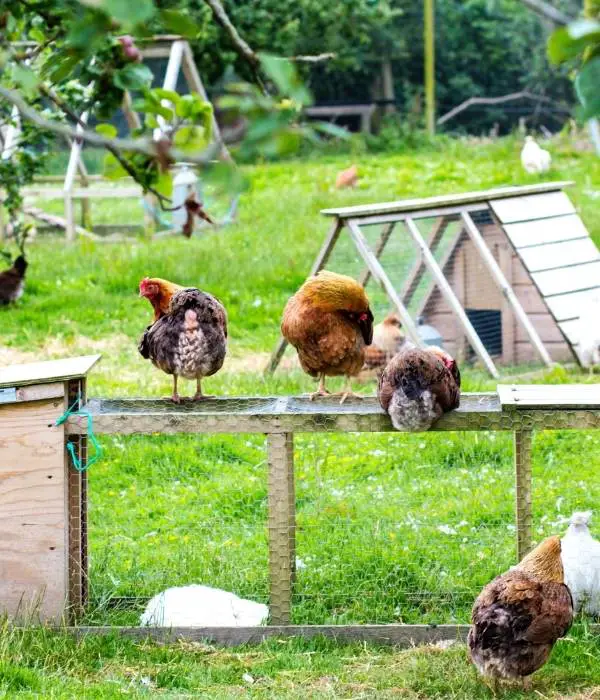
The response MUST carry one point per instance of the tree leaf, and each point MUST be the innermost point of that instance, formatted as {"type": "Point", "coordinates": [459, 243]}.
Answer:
{"type": "Point", "coordinates": [133, 76]}
{"type": "Point", "coordinates": [112, 169]}
{"type": "Point", "coordinates": [587, 85]}
{"type": "Point", "coordinates": [170, 95]}
{"type": "Point", "coordinates": [180, 23]}
{"type": "Point", "coordinates": [285, 76]}
{"type": "Point", "coordinates": [129, 12]}
{"type": "Point", "coordinates": [108, 130]}
{"type": "Point", "coordinates": [569, 42]}
{"type": "Point", "coordinates": [164, 184]}
{"type": "Point", "coordinates": [190, 139]}
{"type": "Point", "coordinates": [26, 79]}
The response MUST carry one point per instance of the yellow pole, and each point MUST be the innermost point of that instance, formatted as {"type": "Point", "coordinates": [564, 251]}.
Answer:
{"type": "Point", "coordinates": [429, 37]}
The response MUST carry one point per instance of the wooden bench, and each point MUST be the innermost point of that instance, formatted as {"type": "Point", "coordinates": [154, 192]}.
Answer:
{"type": "Point", "coordinates": [365, 112]}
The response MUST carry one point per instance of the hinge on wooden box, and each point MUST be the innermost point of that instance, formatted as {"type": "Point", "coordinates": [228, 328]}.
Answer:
{"type": "Point", "coordinates": [8, 395]}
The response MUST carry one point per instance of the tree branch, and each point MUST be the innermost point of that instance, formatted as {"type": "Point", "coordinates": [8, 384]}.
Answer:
{"type": "Point", "coordinates": [143, 146]}
{"type": "Point", "coordinates": [547, 11]}
{"type": "Point", "coordinates": [239, 44]}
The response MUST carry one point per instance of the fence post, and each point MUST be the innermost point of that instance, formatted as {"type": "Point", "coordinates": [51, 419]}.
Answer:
{"type": "Point", "coordinates": [522, 442]}
{"type": "Point", "coordinates": [282, 525]}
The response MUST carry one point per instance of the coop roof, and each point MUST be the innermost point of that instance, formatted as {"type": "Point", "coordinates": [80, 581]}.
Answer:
{"type": "Point", "coordinates": [45, 372]}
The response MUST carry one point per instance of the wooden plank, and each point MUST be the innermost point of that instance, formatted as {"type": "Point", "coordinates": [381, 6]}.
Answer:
{"type": "Point", "coordinates": [556, 255]}
{"type": "Point", "coordinates": [528, 295]}
{"type": "Point", "coordinates": [546, 327]}
{"type": "Point", "coordinates": [523, 488]}
{"type": "Point", "coordinates": [567, 306]}
{"type": "Point", "coordinates": [409, 205]}
{"type": "Point", "coordinates": [505, 287]}
{"type": "Point", "coordinates": [508, 317]}
{"type": "Point", "coordinates": [46, 372]}
{"type": "Point", "coordinates": [319, 264]}
{"type": "Point", "coordinates": [398, 635]}
{"type": "Point", "coordinates": [524, 396]}
{"type": "Point", "coordinates": [450, 297]}
{"type": "Point", "coordinates": [542, 231]}
{"type": "Point", "coordinates": [559, 352]}
{"type": "Point", "coordinates": [421, 214]}
{"type": "Point", "coordinates": [571, 330]}
{"type": "Point", "coordinates": [298, 414]}
{"type": "Point", "coordinates": [569, 279]}
{"type": "Point", "coordinates": [381, 276]}
{"type": "Point", "coordinates": [339, 110]}
{"type": "Point", "coordinates": [384, 237]}
{"type": "Point", "coordinates": [33, 556]}
{"type": "Point", "coordinates": [39, 392]}
{"type": "Point", "coordinates": [532, 206]}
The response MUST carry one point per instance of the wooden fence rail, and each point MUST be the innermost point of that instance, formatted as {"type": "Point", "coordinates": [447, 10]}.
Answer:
{"type": "Point", "coordinates": [282, 416]}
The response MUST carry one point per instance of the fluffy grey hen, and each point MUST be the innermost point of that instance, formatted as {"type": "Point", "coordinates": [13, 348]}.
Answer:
{"type": "Point", "coordinates": [190, 340]}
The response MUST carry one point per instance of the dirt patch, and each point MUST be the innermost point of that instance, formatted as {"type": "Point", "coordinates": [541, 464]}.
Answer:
{"type": "Point", "coordinates": [59, 347]}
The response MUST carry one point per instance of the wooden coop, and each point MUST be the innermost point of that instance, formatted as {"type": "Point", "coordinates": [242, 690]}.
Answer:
{"type": "Point", "coordinates": [43, 559]}
{"type": "Point", "coordinates": [503, 274]}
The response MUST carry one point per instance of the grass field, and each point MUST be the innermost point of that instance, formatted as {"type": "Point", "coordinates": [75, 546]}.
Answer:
{"type": "Point", "coordinates": [390, 528]}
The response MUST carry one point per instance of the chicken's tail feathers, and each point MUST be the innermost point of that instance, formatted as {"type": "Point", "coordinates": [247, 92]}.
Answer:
{"type": "Point", "coordinates": [581, 517]}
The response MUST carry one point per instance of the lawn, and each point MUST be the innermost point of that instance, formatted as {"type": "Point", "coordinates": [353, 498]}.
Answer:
{"type": "Point", "coordinates": [390, 528]}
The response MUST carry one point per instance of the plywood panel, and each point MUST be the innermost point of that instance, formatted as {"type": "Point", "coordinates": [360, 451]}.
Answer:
{"type": "Point", "coordinates": [546, 257]}
{"type": "Point", "coordinates": [520, 274]}
{"type": "Point", "coordinates": [481, 291]}
{"type": "Point", "coordinates": [538, 232]}
{"type": "Point", "coordinates": [567, 306]}
{"type": "Point", "coordinates": [51, 371]}
{"type": "Point", "coordinates": [529, 298]}
{"type": "Point", "coordinates": [446, 324]}
{"type": "Point", "coordinates": [546, 327]}
{"type": "Point", "coordinates": [569, 279]}
{"type": "Point", "coordinates": [33, 568]}
{"type": "Point", "coordinates": [534, 206]}
{"type": "Point", "coordinates": [542, 395]}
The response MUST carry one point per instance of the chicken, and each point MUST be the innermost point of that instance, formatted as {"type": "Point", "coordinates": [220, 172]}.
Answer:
{"type": "Point", "coordinates": [518, 617]}
{"type": "Point", "coordinates": [388, 339]}
{"type": "Point", "coordinates": [159, 293]}
{"type": "Point", "coordinates": [418, 386]}
{"type": "Point", "coordinates": [533, 158]}
{"type": "Point", "coordinates": [329, 322]}
{"type": "Point", "coordinates": [12, 281]}
{"type": "Point", "coordinates": [347, 178]}
{"type": "Point", "coordinates": [189, 340]}
{"type": "Point", "coordinates": [581, 561]}
{"type": "Point", "coordinates": [202, 606]}
{"type": "Point", "coordinates": [588, 334]}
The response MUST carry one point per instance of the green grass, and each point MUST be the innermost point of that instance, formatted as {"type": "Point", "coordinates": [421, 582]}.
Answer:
{"type": "Point", "coordinates": [390, 527]}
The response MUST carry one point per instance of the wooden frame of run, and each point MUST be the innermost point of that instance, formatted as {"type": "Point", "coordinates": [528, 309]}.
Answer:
{"type": "Point", "coordinates": [443, 209]}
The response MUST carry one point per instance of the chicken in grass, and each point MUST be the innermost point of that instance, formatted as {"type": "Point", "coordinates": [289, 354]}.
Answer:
{"type": "Point", "coordinates": [329, 322]}
{"type": "Point", "coordinates": [12, 281]}
{"type": "Point", "coordinates": [388, 340]}
{"type": "Point", "coordinates": [518, 617]}
{"type": "Point", "coordinates": [347, 178]}
{"type": "Point", "coordinates": [581, 561]}
{"type": "Point", "coordinates": [418, 386]}
{"type": "Point", "coordinates": [189, 339]}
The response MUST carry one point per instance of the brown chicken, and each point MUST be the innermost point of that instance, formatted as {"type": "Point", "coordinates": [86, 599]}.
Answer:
{"type": "Point", "coordinates": [388, 340]}
{"type": "Point", "coordinates": [159, 293]}
{"type": "Point", "coordinates": [12, 281]}
{"type": "Point", "coordinates": [518, 617]}
{"type": "Point", "coordinates": [329, 322]}
{"type": "Point", "coordinates": [189, 340]}
{"type": "Point", "coordinates": [347, 178]}
{"type": "Point", "coordinates": [418, 386]}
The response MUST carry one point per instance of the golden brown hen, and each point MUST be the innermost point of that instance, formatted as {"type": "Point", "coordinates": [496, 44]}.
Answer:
{"type": "Point", "coordinates": [329, 322]}
{"type": "Point", "coordinates": [518, 617]}
{"type": "Point", "coordinates": [347, 178]}
{"type": "Point", "coordinates": [418, 386]}
{"type": "Point", "coordinates": [388, 340]}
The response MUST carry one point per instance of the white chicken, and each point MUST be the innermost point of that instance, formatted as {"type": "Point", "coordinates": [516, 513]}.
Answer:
{"type": "Point", "coordinates": [533, 158]}
{"type": "Point", "coordinates": [580, 554]}
{"type": "Point", "coordinates": [202, 606]}
{"type": "Point", "coordinates": [588, 334]}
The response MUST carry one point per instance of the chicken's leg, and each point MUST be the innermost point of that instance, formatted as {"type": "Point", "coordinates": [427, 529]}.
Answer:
{"type": "Point", "coordinates": [321, 390]}
{"type": "Point", "coordinates": [199, 396]}
{"type": "Point", "coordinates": [175, 398]}
{"type": "Point", "coordinates": [347, 391]}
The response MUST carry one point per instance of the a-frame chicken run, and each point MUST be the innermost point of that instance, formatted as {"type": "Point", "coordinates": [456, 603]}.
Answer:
{"type": "Point", "coordinates": [502, 275]}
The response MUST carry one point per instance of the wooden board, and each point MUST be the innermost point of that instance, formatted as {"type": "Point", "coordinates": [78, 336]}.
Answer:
{"type": "Point", "coordinates": [406, 205]}
{"type": "Point", "coordinates": [569, 279]}
{"type": "Point", "coordinates": [555, 255]}
{"type": "Point", "coordinates": [45, 372]}
{"type": "Point", "coordinates": [533, 206]}
{"type": "Point", "coordinates": [33, 537]}
{"type": "Point", "coordinates": [568, 306]}
{"type": "Point", "coordinates": [559, 352]}
{"type": "Point", "coordinates": [546, 327]}
{"type": "Point", "coordinates": [542, 231]}
{"type": "Point", "coordinates": [545, 395]}
{"type": "Point", "coordinates": [529, 296]}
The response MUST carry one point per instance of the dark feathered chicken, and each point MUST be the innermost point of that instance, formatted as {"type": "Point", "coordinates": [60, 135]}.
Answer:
{"type": "Point", "coordinates": [190, 340]}
{"type": "Point", "coordinates": [518, 617]}
{"type": "Point", "coordinates": [12, 281]}
{"type": "Point", "coordinates": [418, 386]}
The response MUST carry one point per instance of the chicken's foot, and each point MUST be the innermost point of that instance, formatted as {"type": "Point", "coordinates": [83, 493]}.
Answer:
{"type": "Point", "coordinates": [321, 390]}
{"type": "Point", "coordinates": [199, 396]}
{"type": "Point", "coordinates": [175, 398]}
{"type": "Point", "coordinates": [347, 391]}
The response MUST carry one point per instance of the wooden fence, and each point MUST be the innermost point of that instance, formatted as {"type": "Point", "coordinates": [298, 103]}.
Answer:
{"type": "Point", "coordinates": [520, 410]}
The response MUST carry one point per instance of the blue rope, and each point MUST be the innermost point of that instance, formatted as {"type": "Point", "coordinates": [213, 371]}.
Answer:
{"type": "Point", "coordinates": [75, 410]}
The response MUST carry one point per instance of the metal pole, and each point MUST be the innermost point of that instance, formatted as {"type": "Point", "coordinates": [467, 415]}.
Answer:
{"type": "Point", "coordinates": [522, 446]}
{"type": "Point", "coordinates": [429, 41]}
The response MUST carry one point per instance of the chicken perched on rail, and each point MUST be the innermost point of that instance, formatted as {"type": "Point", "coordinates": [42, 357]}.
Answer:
{"type": "Point", "coordinates": [189, 339]}
{"type": "Point", "coordinates": [159, 293]}
{"type": "Point", "coordinates": [388, 340]}
{"type": "Point", "coordinates": [418, 386]}
{"type": "Point", "coordinates": [518, 617]}
{"type": "Point", "coordinates": [12, 281]}
{"type": "Point", "coordinates": [329, 322]}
